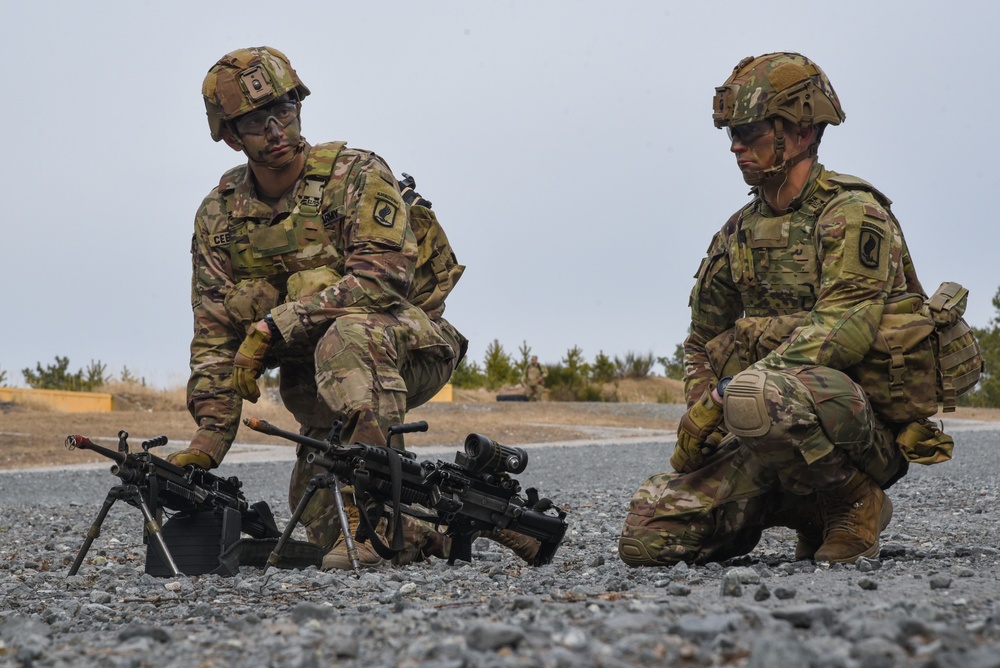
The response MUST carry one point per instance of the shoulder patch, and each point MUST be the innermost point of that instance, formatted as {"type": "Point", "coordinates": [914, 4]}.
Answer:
{"type": "Point", "coordinates": [381, 213]}
{"type": "Point", "coordinates": [866, 248]}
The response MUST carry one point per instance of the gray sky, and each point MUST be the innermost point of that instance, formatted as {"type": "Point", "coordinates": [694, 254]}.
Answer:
{"type": "Point", "coordinates": [568, 149]}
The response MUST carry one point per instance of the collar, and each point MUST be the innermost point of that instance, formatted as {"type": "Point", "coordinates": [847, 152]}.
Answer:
{"type": "Point", "coordinates": [246, 203]}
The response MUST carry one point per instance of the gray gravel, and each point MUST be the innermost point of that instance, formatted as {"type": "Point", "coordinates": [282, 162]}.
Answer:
{"type": "Point", "coordinates": [931, 599]}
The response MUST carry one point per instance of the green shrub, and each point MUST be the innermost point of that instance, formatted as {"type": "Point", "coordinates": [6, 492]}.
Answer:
{"type": "Point", "coordinates": [468, 375]}
{"type": "Point", "coordinates": [987, 393]}
{"type": "Point", "coordinates": [635, 365]}
{"type": "Point", "coordinates": [58, 377]}
{"type": "Point", "coordinates": [603, 370]}
{"type": "Point", "coordinates": [500, 369]}
{"type": "Point", "coordinates": [673, 367]}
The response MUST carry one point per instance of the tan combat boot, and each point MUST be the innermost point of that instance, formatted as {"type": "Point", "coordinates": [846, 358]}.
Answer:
{"type": "Point", "coordinates": [523, 546]}
{"type": "Point", "coordinates": [338, 559]}
{"type": "Point", "coordinates": [854, 515]}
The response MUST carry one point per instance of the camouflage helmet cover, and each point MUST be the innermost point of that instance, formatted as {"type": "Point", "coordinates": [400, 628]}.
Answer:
{"type": "Point", "coordinates": [783, 84]}
{"type": "Point", "coordinates": [244, 80]}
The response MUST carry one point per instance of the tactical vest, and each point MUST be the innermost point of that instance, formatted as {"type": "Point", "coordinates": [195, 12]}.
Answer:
{"type": "Point", "coordinates": [772, 280]}
{"type": "Point", "coordinates": [295, 256]}
{"type": "Point", "coordinates": [924, 353]}
{"type": "Point", "coordinates": [297, 242]}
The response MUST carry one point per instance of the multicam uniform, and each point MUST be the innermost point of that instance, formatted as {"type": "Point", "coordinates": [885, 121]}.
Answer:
{"type": "Point", "coordinates": [534, 380]}
{"type": "Point", "coordinates": [332, 261]}
{"type": "Point", "coordinates": [798, 299]}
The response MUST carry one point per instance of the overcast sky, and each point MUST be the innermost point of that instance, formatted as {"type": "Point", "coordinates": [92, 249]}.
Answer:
{"type": "Point", "coordinates": [568, 148]}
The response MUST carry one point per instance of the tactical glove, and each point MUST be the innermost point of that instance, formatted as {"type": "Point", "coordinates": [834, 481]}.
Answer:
{"type": "Point", "coordinates": [697, 424]}
{"type": "Point", "coordinates": [249, 362]}
{"type": "Point", "coordinates": [197, 458]}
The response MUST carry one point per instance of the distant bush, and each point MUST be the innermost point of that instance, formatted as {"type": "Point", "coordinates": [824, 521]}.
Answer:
{"type": "Point", "coordinates": [58, 377]}
{"type": "Point", "coordinates": [468, 375]}
{"type": "Point", "coordinates": [499, 368]}
{"type": "Point", "coordinates": [987, 393]}
{"type": "Point", "coordinates": [635, 365]}
{"type": "Point", "coordinates": [673, 367]}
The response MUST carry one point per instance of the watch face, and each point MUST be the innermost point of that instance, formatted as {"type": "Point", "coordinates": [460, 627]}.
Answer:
{"type": "Point", "coordinates": [721, 389]}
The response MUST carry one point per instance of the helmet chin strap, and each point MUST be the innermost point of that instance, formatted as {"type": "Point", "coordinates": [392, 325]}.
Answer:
{"type": "Point", "coordinates": [781, 165]}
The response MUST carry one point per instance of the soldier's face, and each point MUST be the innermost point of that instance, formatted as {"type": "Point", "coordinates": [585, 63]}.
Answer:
{"type": "Point", "coordinates": [753, 145]}
{"type": "Point", "coordinates": [274, 136]}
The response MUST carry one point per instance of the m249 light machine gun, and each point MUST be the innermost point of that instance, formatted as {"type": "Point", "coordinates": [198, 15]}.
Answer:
{"type": "Point", "coordinates": [475, 494]}
{"type": "Point", "coordinates": [209, 512]}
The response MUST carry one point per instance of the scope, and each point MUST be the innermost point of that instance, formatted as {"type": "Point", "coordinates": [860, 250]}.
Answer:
{"type": "Point", "coordinates": [484, 455]}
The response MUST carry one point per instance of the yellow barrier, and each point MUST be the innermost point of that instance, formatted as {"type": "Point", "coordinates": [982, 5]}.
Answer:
{"type": "Point", "coordinates": [445, 394]}
{"type": "Point", "coordinates": [60, 400]}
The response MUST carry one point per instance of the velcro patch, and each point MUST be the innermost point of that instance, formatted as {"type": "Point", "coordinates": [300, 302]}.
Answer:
{"type": "Point", "coordinates": [866, 249]}
{"type": "Point", "coordinates": [381, 213]}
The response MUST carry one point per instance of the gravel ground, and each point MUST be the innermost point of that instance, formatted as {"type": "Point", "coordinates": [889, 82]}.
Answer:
{"type": "Point", "coordinates": [930, 600]}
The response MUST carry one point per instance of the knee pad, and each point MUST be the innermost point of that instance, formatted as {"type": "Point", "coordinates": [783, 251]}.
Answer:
{"type": "Point", "coordinates": [634, 553]}
{"type": "Point", "coordinates": [743, 404]}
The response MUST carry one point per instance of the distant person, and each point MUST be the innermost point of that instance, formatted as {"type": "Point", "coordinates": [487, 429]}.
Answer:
{"type": "Point", "coordinates": [305, 258]}
{"type": "Point", "coordinates": [534, 379]}
{"type": "Point", "coordinates": [787, 424]}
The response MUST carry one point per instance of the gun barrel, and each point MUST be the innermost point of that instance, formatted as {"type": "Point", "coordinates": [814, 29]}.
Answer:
{"type": "Point", "coordinates": [265, 427]}
{"type": "Point", "coordinates": [77, 441]}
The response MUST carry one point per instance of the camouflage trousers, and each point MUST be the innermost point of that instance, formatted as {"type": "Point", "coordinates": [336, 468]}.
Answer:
{"type": "Point", "coordinates": [821, 429]}
{"type": "Point", "coordinates": [365, 373]}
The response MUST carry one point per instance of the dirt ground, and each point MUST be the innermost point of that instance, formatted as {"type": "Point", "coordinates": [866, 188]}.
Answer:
{"type": "Point", "coordinates": [33, 436]}
{"type": "Point", "coordinates": [30, 436]}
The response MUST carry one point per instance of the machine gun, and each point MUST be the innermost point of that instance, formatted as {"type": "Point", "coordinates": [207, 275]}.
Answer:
{"type": "Point", "coordinates": [209, 512]}
{"type": "Point", "coordinates": [472, 495]}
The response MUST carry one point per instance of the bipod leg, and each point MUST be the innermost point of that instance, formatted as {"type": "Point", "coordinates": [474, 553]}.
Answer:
{"type": "Point", "coordinates": [345, 526]}
{"type": "Point", "coordinates": [154, 531]}
{"type": "Point", "coordinates": [95, 529]}
{"type": "Point", "coordinates": [318, 482]}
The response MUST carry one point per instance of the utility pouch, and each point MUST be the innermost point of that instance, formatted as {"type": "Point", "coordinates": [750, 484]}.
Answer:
{"type": "Point", "coordinates": [898, 373]}
{"type": "Point", "coordinates": [309, 282]}
{"type": "Point", "coordinates": [960, 361]}
{"type": "Point", "coordinates": [437, 269]}
{"type": "Point", "coordinates": [922, 442]}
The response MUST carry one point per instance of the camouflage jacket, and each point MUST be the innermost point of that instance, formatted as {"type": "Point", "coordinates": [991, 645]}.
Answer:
{"type": "Point", "coordinates": [362, 260]}
{"type": "Point", "coordinates": [830, 263]}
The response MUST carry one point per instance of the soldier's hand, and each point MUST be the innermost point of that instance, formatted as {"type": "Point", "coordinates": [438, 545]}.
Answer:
{"type": "Point", "coordinates": [249, 363]}
{"type": "Point", "coordinates": [190, 457]}
{"type": "Point", "coordinates": [696, 425]}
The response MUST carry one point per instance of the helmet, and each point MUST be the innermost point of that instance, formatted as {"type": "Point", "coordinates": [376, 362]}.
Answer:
{"type": "Point", "coordinates": [244, 80]}
{"type": "Point", "coordinates": [786, 85]}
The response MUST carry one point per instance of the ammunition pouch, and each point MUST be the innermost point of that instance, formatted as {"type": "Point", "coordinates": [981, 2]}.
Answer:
{"type": "Point", "coordinates": [308, 282]}
{"type": "Point", "coordinates": [249, 302]}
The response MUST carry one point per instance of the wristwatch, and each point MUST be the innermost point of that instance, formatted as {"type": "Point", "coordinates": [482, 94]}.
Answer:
{"type": "Point", "coordinates": [273, 328]}
{"type": "Point", "coordinates": [721, 387]}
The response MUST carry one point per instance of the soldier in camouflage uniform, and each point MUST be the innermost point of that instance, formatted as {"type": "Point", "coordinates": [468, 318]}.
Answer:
{"type": "Point", "coordinates": [305, 258]}
{"type": "Point", "coordinates": [789, 298]}
{"type": "Point", "coordinates": [534, 379]}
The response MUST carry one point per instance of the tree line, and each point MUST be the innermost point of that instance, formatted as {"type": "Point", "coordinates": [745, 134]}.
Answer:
{"type": "Point", "coordinates": [573, 377]}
